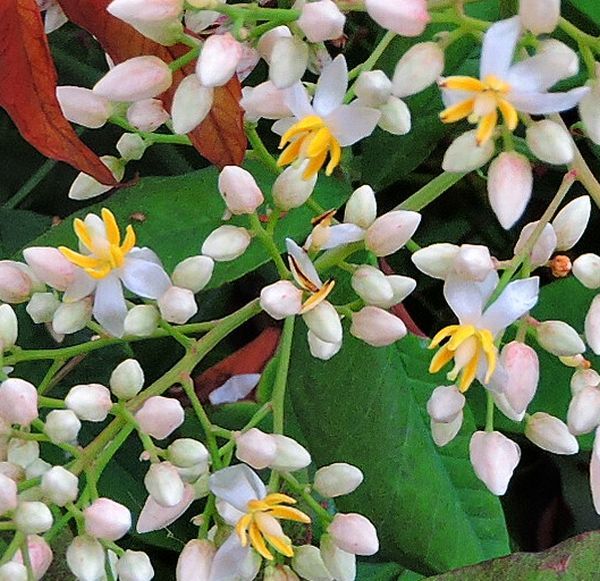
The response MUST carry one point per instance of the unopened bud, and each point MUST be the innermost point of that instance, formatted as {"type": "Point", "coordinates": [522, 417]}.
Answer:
{"type": "Point", "coordinates": [41, 307]}
{"type": "Point", "coordinates": [354, 534]}
{"type": "Point", "coordinates": [218, 60]}
{"type": "Point", "coordinates": [337, 479]}
{"type": "Point", "coordinates": [395, 116]}
{"type": "Point", "coordinates": [40, 556]}
{"type": "Point", "coordinates": [324, 322]}
{"type": "Point", "coordinates": [549, 142]}
{"type": "Point", "coordinates": [12, 471]}
{"type": "Point", "coordinates": [160, 416]}
{"type": "Point", "coordinates": [85, 186]}
{"type": "Point", "coordinates": [371, 285]}
{"type": "Point", "coordinates": [90, 402]}
{"type": "Point", "coordinates": [135, 566]}
{"type": "Point", "coordinates": [570, 223]}
{"type": "Point", "coordinates": [127, 379]}
{"type": "Point", "coordinates": [287, 62]}
{"type": "Point", "coordinates": [13, 571]}
{"type": "Point", "coordinates": [308, 563]}
{"type": "Point", "coordinates": [361, 208]}
{"type": "Point", "coordinates": [9, 328]}
{"type": "Point", "coordinates": [107, 519]}
{"type": "Point", "coordinates": [592, 325]}
{"type": "Point", "coordinates": [49, 265]}
{"type": "Point", "coordinates": [22, 452]}
{"type": "Point", "coordinates": [226, 243]}
{"type": "Point", "coordinates": [373, 88]}
{"type": "Point", "coordinates": [60, 486]}
{"type": "Point", "coordinates": [15, 282]}
{"type": "Point", "coordinates": [420, 66]}
{"type": "Point", "coordinates": [406, 18]}
{"type": "Point", "coordinates": [239, 190]}
{"type": "Point", "coordinates": [560, 266]}
{"type": "Point", "coordinates": [147, 114]}
{"type": "Point", "coordinates": [446, 402]}
{"type": "Point", "coordinates": [465, 154]}
{"type": "Point", "coordinates": [268, 40]}
{"type": "Point", "coordinates": [195, 560]}
{"type": "Point", "coordinates": [584, 411]}
{"type": "Point", "coordinates": [83, 106]}
{"type": "Point", "coordinates": [32, 517]}
{"type": "Point", "coordinates": [194, 273]}
{"type": "Point", "coordinates": [256, 448]}
{"type": "Point", "coordinates": [473, 262]}
{"type": "Point", "coordinates": [321, 21]}
{"type": "Point", "coordinates": [281, 299]}
{"type": "Point", "coordinates": [436, 260]}
{"type": "Point", "coordinates": [539, 16]}
{"type": "Point", "coordinates": [8, 494]}
{"type": "Point", "coordinates": [290, 190]}
{"type": "Point", "coordinates": [62, 426]}
{"type": "Point", "coordinates": [583, 378]}
{"type": "Point", "coordinates": [131, 146]}
{"type": "Point", "coordinates": [589, 111]}
{"type": "Point", "coordinates": [551, 434]}
{"type": "Point", "coordinates": [543, 247]}
{"type": "Point", "coordinates": [377, 327]}
{"type": "Point", "coordinates": [586, 269]}
{"type": "Point", "coordinates": [494, 458]}
{"type": "Point", "coordinates": [321, 349]}
{"type": "Point", "coordinates": [163, 483]}
{"type": "Point", "coordinates": [18, 401]}
{"type": "Point", "coordinates": [289, 455]}
{"type": "Point", "coordinates": [85, 558]}
{"type": "Point", "coordinates": [444, 432]}
{"type": "Point", "coordinates": [560, 339]}
{"type": "Point", "coordinates": [185, 453]}
{"type": "Point", "coordinates": [192, 102]}
{"type": "Point", "coordinates": [391, 231]}
{"type": "Point", "coordinates": [264, 101]}
{"type": "Point", "coordinates": [177, 305]}
{"type": "Point", "coordinates": [141, 320]}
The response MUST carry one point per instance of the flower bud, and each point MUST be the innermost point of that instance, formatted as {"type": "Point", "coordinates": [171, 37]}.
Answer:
{"type": "Point", "coordinates": [71, 317]}
{"type": "Point", "coordinates": [321, 21]}
{"type": "Point", "coordinates": [62, 426]}
{"type": "Point", "coordinates": [141, 320]}
{"type": "Point", "coordinates": [321, 349]}
{"type": "Point", "coordinates": [391, 231]}
{"type": "Point", "coordinates": [192, 103]}
{"type": "Point", "coordinates": [290, 190]}
{"type": "Point", "coordinates": [586, 269]}
{"type": "Point", "coordinates": [395, 116]}
{"type": "Point", "coordinates": [83, 106]}
{"type": "Point", "coordinates": [193, 273]}
{"type": "Point", "coordinates": [9, 328]}
{"type": "Point", "coordinates": [13, 571]}
{"type": "Point", "coordinates": [544, 246]}
{"type": "Point", "coordinates": [8, 494]}
{"type": "Point", "coordinates": [22, 452]}
{"type": "Point", "coordinates": [539, 16]}
{"type": "Point", "coordinates": [127, 379]}
{"type": "Point", "coordinates": [510, 183]}
{"type": "Point", "coordinates": [337, 479]}
{"type": "Point", "coordinates": [154, 516]}
{"type": "Point", "coordinates": [584, 411]}
{"type": "Point", "coordinates": [160, 416]}
{"type": "Point", "coordinates": [473, 262]}
{"type": "Point", "coordinates": [551, 434]}
{"type": "Point", "coordinates": [90, 402]}
{"type": "Point", "coordinates": [239, 190]}
{"type": "Point", "coordinates": [40, 556]}
{"type": "Point", "coordinates": [324, 322]}
{"type": "Point", "coordinates": [256, 448]}
{"type": "Point", "coordinates": [361, 208]}
{"type": "Point", "coordinates": [570, 223]}
{"type": "Point", "coordinates": [18, 401]}
{"type": "Point", "coordinates": [420, 66]}
{"type": "Point", "coordinates": [264, 101]}
{"type": "Point", "coordinates": [268, 40]}
{"type": "Point", "coordinates": [522, 372]}
{"type": "Point", "coordinates": [177, 305]}
{"type": "Point", "coordinates": [436, 260]}
{"type": "Point", "coordinates": [549, 142]}
{"type": "Point", "coordinates": [185, 453]}
{"type": "Point", "coordinates": [85, 186]}
{"type": "Point", "coordinates": [107, 519]}
{"type": "Point", "coordinates": [138, 78]}
{"type": "Point", "coordinates": [465, 154]}
{"type": "Point", "coordinates": [406, 18]}
{"type": "Point", "coordinates": [218, 60]}
{"type": "Point", "coordinates": [560, 339]}
{"type": "Point", "coordinates": [279, 573]}
{"type": "Point", "coordinates": [85, 558]}
{"type": "Point", "coordinates": [60, 486]}
{"type": "Point", "coordinates": [377, 327]}
{"type": "Point", "coordinates": [494, 458]}
{"type": "Point", "coordinates": [354, 534]}
{"type": "Point", "coordinates": [583, 378]}
{"type": "Point", "coordinates": [373, 88]}
{"type": "Point", "coordinates": [592, 326]}
{"type": "Point", "coordinates": [147, 114]}
{"type": "Point", "coordinates": [163, 483]}
{"type": "Point", "coordinates": [281, 299]}
{"type": "Point", "coordinates": [135, 566]}
{"type": "Point", "coordinates": [402, 286]}
{"type": "Point", "coordinates": [131, 146]}
{"type": "Point", "coordinates": [589, 111]}
{"type": "Point", "coordinates": [15, 282]}
{"type": "Point", "coordinates": [35, 470]}
{"type": "Point", "coordinates": [226, 243]}
{"type": "Point", "coordinates": [289, 455]}
{"type": "Point", "coordinates": [49, 265]}
{"type": "Point", "coordinates": [12, 471]}
{"type": "Point", "coordinates": [288, 62]}
{"type": "Point", "coordinates": [371, 285]}
{"type": "Point", "coordinates": [445, 404]}
{"type": "Point", "coordinates": [195, 560]}
{"type": "Point", "coordinates": [41, 307]}
{"type": "Point", "coordinates": [308, 563]}
{"type": "Point", "coordinates": [32, 517]}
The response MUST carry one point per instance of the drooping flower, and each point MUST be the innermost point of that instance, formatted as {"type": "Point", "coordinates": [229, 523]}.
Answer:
{"type": "Point", "coordinates": [320, 130]}
{"type": "Point", "coordinates": [508, 87]}
{"type": "Point", "coordinates": [471, 341]}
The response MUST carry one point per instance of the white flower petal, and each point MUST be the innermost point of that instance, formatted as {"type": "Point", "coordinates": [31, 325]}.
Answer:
{"type": "Point", "coordinates": [499, 45]}
{"type": "Point", "coordinates": [110, 309]}
{"type": "Point", "coordinates": [144, 278]}
{"type": "Point", "coordinates": [297, 99]}
{"type": "Point", "coordinates": [237, 387]}
{"type": "Point", "coordinates": [303, 260]}
{"type": "Point", "coordinates": [350, 124]}
{"type": "Point", "coordinates": [155, 517]}
{"type": "Point", "coordinates": [546, 103]}
{"type": "Point", "coordinates": [539, 72]}
{"type": "Point", "coordinates": [82, 286]}
{"type": "Point", "coordinates": [341, 234]}
{"type": "Point", "coordinates": [282, 125]}
{"type": "Point", "coordinates": [331, 87]}
{"type": "Point", "coordinates": [237, 485]}
{"type": "Point", "coordinates": [467, 298]}
{"type": "Point", "coordinates": [145, 253]}
{"type": "Point", "coordinates": [232, 561]}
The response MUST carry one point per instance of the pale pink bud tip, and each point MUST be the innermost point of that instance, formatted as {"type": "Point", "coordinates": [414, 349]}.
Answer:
{"type": "Point", "coordinates": [40, 555]}
{"type": "Point", "coordinates": [354, 534]}
{"type": "Point", "coordinates": [49, 265]}
{"type": "Point", "coordinates": [419, 67]}
{"type": "Point", "coordinates": [8, 494]}
{"type": "Point", "coordinates": [539, 16]}
{"type": "Point", "coordinates": [559, 338]}
{"type": "Point", "coordinates": [446, 402]}
{"type": "Point", "coordinates": [85, 558]}
{"type": "Point", "coordinates": [377, 327]}
{"type": "Point", "coordinates": [321, 20]}
{"type": "Point", "coordinates": [32, 517]}
{"type": "Point", "coordinates": [160, 416]}
{"type": "Point", "coordinates": [337, 479]}
{"type": "Point", "coordinates": [281, 299]}
{"type": "Point", "coordinates": [218, 60]}
{"type": "Point", "coordinates": [60, 486]}
{"type": "Point", "coordinates": [83, 106]}
{"type": "Point", "coordinates": [147, 115]}
{"type": "Point", "coordinates": [239, 190]}
{"type": "Point", "coordinates": [107, 519]}
{"type": "Point", "coordinates": [15, 282]}
{"type": "Point", "coordinates": [256, 448]}
{"type": "Point", "coordinates": [551, 434]}
{"type": "Point", "coordinates": [90, 402]}
{"type": "Point", "coordinates": [18, 401]}
{"type": "Point", "coordinates": [164, 484]}
{"type": "Point", "coordinates": [289, 455]}
{"type": "Point", "coordinates": [177, 305]}
{"type": "Point", "coordinates": [195, 560]}
{"type": "Point", "coordinates": [391, 231]}
{"type": "Point", "coordinates": [407, 18]}
{"type": "Point", "coordinates": [135, 566]}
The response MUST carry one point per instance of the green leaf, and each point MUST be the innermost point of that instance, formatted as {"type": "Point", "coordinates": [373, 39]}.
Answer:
{"type": "Point", "coordinates": [18, 227]}
{"type": "Point", "coordinates": [590, 9]}
{"type": "Point", "coordinates": [384, 572]}
{"type": "Point", "coordinates": [367, 406]}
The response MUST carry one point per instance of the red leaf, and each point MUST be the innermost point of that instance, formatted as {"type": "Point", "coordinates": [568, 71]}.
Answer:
{"type": "Point", "coordinates": [27, 90]}
{"type": "Point", "coordinates": [220, 138]}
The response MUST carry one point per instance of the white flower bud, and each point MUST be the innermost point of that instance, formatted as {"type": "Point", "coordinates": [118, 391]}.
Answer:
{"type": "Point", "coordinates": [9, 328]}
{"type": "Point", "coordinates": [141, 320]}
{"type": "Point", "coordinates": [337, 479]}
{"type": "Point", "coordinates": [160, 416]}
{"type": "Point", "coordinates": [195, 560]}
{"type": "Point", "coordinates": [12, 471]}
{"type": "Point", "coordinates": [49, 265]}
{"type": "Point", "coordinates": [256, 448]}
{"type": "Point", "coordinates": [420, 66]}
{"type": "Point", "coordinates": [465, 154]}
{"type": "Point", "coordinates": [395, 116]}
{"type": "Point", "coordinates": [131, 146]}
{"type": "Point", "coordinates": [377, 327]}
{"type": "Point", "coordinates": [354, 534]}
{"type": "Point", "coordinates": [281, 299]}
{"type": "Point", "coordinates": [194, 273]}
{"type": "Point", "coordinates": [560, 339]}
{"type": "Point", "coordinates": [15, 282]}
{"type": "Point", "coordinates": [583, 378]}
{"type": "Point", "coordinates": [543, 248]}
{"type": "Point", "coordinates": [83, 106]}
{"type": "Point", "coordinates": [163, 483]}
{"type": "Point", "coordinates": [308, 563]}
{"type": "Point", "coordinates": [324, 322]}
{"type": "Point", "coordinates": [373, 88]}
{"type": "Point", "coordinates": [584, 411]}
{"type": "Point", "coordinates": [445, 404]}
{"type": "Point", "coordinates": [135, 566]}
{"type": "Point", "coordinates": [22, 452]}
{"type": "Point", "coordinates": [85, 558]}
{"type": "Point", "coordinates": [391, 231]}
{"type": "Point", "coordinates": [267, 41]}
{"type": "Point", "coordinates": [127, 379]}
{"type": "Point", "coordinates": [107, 519]}
{"type": "Point", "coordinates": [177, 305]}
{"type": "Point", "coordinates": [521, 365]}
{"type": "Point", "coordinates": [239, 190]}
{"type": "Point", "coordinates": [18, 401]}
{"type": "Point", "coordinates": [436, 260]}
{"type": "Point", "coordinates": [71, 317]}
{"type": "Point", "coordinates": [147, 114]}
{"type": "Point", "coordinates": [62, 426]}
{"type": "Point", "coordinates": [60, 486]}
{"type": "Point", "coordinates": [13, 571]}
{"type": "Point", "coordinates": [279, 573]}
{"type": "Point", "coordinates": [8, 494]}
{"type": "Point", "coordinates": [341, 564]}
{"type": "Point", "coordinates": [321, 21]}
{"type": "Point", "coordinates": [371, 285]}
{"type": "Point", "coordinates": [402, 286]}
{"type": "Point", "coordinates": [494, 458]}
{"type": "Point", "coordinates": [549, 142]}
{"type": "Point", "coordinates": [138, 78]}
{"type": "Point", "coordinates": [586, 269]}
{"type": "Point", "coordinates": [539, 16]}
{"type": "Point", "coordinates": [40, 556]}
{"type": "Point", "coordinates": [406, 18]}
{"type": "Point", "coordinates": [570, 223]}
{"type": "Point", "coordinates": [90, 402]}
{"type": "Point", "coordinates": [290, 190]}
{"type": "Point", "coordinates": [34, 470]}
{"type": "Point", "coordinates": [287, 62]}
{"type": "Point", "coordinates": [592, 325]}
{"type": "Point", "coordinates": [186, 452]}
{"type": "Point", "coordinates": [361, 208]}
{"type": "Point", "coordinates": [41, 307]}
{"type": "Point", "coordinates": [264, 101]}
{"type": "Point", "coordinates": [510, 183]}
{"type": "Point", "coordinates": [589, 111]}
{"type": "Point", "coordinates": [473, 262]}
{"type": "Point", "coordinates": [218, 60]}
{"type": "Point", "coordinates": [321, 349]}
{"type": "Point", "coordinates": [192, 102]}
{"type": "Point", "coordinates": [226, 243]}
{"type": "Point", "coordinates": [289, 455]}
{"type": "Point", "coordinates": [551, 434]}
{"type": "Point", "coordinates": [32, 517]}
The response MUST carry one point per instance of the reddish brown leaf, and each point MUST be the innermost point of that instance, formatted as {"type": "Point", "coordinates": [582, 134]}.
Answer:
{"type": "Point", "coordinates": [220, 138]}
{"type": "Point", "coordinates": [27, 90]}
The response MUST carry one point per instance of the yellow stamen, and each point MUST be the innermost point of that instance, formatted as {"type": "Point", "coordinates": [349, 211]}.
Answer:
{"type": "Point", "coordinates": [317, 297]}
{"type": "Point", "coordinates": [486, 127]}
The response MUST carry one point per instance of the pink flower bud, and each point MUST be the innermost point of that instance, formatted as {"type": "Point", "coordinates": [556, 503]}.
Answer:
{"type": "Point", "coordinates": [141, 320]}
{"type": "Point", "coordinates": [289, 455]}
{"type": "Point", "coordinates": [192, 102]}
{"type": "Point", "coordinates": [446, 402]}
{"type": "Point", "coordinates": [281, 299]}
{"type": "Point", "coordinates": [543, 248]}
{"type": "Point", "coordinates": [465, 154]}
{"type": "Point", "coordinates": [32, 517]}
{"type": "Point", "coordinates": [420, 66]}
{"type": "Point", "coordinates": [473, 262]}
{"type": "Point", "coordinates": [539, 16]}
{"type": "Point", "coordinates": [163, 483]}
{"type": "Point", "coordinates": [592, 326]}
{"type": "Point", "coordinates": [395, 116]}
{"type": "Point", "coordinates": [41, 307]}
{"type": "Point", "coordinates": [127, 379]}
{"type": "Point", "coordinates": [18, 401]}
{"type": "Point", "coordinates": [62, 426]}
{"type": "Point", "coordinates": [15, 282]}
{"type": "Point", "coordinates": [185, 453]}
{"type": "Point", "coordinates": [85, 186]}
{"type": "Point", "coordinates": [40, 556]}
{"type": "Point", "coordinates": [195, 560]}
{"type": "Point", "coordinates": [256, 448]}
{"type": "Point", "coordinates": [321, 21]}
{"type": "Point", "coordinates": [12, 471]}
{"type": "Point", "coordinates": [595, 472]}
{"type": "Point", "coordinates": [226, 243]}
{"type": "Point", "coordinates": [584, 411]}
{"type": "Point", "coordinates": [589, 111]}
{"type": "Point", "coordinates": [264, 101]}
{"type": "Point", "coordinates": [321, 349]}
{"type": "Point", "coordinates": [8, 494]}
{"type": "Point", "coordinates": [90, 402]}
{"type": "Point", "coordinates": [324, 322]}
{"type": "Point", "coordinates": [154, 516]}
{"type": "Point", "coordinates": [371, 285]}
{"type": "Point", "coordinates": [560, 339]}
{"type": "Point", "coordinates": [138, 78]}
{"type": "Point", "coordinates": [406, 18]}
{"type": "Point", "coordinates": [373, 88]}
{"type": "Point", "coordinates": [586, 269]}
{"type": "Point", "coordinates": [337, 479]}
{"type": "Point", "coordinates": [177, 305]}
{"type": "Point", "coordinates": [147, 114]}
{"type": "Point", "coordinates": [549, 142]}
{"type": "Point", "coordinates": [436, 260]}
{"type": "Point", "coordinates": [290, 190]}
{"type": "Point", "coordinates": [570, 223]}
{"type": "Point", "coordinates": [551, 434]}
{"type": "Point", "coordinates": [9, 328]}
{"type": "Point", "coordinates": [361, 208]}
{"type": "Point", "coordinates": [135, 566]}
{"type": "Point", "coordinates": [288, 62]}
{"type": "Point", "coordinates": [60, 486]}
{"type": "Point", "coordinates": [160, 416]}
{"type": "Point", "coordinates": [494, 458]}
{"type": "Point", "coordinates": [443, 433]}
{"type": "Point", "coordinates": [354, 534]}
{"type": "Point", "coordinates": [377, 327]}
{"type": "Point", "coordinates": [85, 558]}
{"type": "Point", "coordinates": [49, 265]}
{"type": "Point", "coordinates": [82, 106]}
{"type": "Point", "coordinates": [218, 60]}
{"type": "Point", "coordinates": [239, 190]}
{"type": "Point", "coordinates": [131, 146]}
{"type": "Point", "coordinates": [107, 519]}
{"type": "Point", "coordinates": [391, 231]}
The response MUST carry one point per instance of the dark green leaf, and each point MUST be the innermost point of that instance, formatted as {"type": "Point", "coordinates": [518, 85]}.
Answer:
{"type": "Point", "coordinates": [17, 228]}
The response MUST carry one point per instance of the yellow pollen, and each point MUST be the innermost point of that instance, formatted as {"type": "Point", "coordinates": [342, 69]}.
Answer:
{"type": "Point", "coordinates": [481, 107]}
{"type": "Point", "coordinates": [310, 139]}
{"type": "Point", "coordinates": [467, 345]}
{"type": "Point", "coordinates": [105, 253]}
{"type": "Point", "coordinates": [261, 524]}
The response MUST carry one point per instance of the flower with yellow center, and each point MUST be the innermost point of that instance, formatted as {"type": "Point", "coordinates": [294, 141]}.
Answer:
{"type": "Point", "coordinates": [320, 129]}
{"type": "Point", "coordinates": [471, 343]}
{"type": "Point", "coordinates": [509, 88]}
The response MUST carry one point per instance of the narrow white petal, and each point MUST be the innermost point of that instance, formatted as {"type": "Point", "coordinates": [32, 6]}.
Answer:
{"type": "Point", "coordinates": [145, 279]}
{"type": "Point", "coordinates": [297, 99]}
{"type": "Point", "coordinates": [82, 286]}
{"type": "Point", "coordinates": [331, 87]}
{"type": "Point", "coordinates": [350, 124]}
{"type": "Point", "coordinates": [539, 72]}
{"type": "Point", "coordinates": [303, 260]}
{"type": "Point", "coordinates": [341, 234]}
{"type": "Point", "coordinates": [467, 298]}
{"type": "Point", "coordinates": [145, 253]}
{"type": "Point", "coordinates": [282, 125]}
{"type": "Point", "coordinates": [109, 305]}
{"type": "Point", "coordinates": [232, 561]}
{"type": "Point", "coordinates": [235, 388]}
{"type": "Point", "coordinates": [155, 517]}
{"type": "Point", "coordinates": [545, 103]}
{"type": "Point", "coordinates": [237, 485]}
{"type": "Point", "coordinates": [499, 46]}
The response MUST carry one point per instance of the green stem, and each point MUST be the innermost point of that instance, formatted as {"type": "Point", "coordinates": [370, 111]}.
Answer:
{"type": "Point", "coordinates": [184, 341]}
{"type": "Point", "coordinates": [430, 192]}
{"type": "Point", "coordinates": [254, 12]}
{"type": "Point", "coordinates": [13, 547]}
{"type": "Point", "coordinates": [46, 383]}
{"type": "Point", "coordinates": [489, 416]}
{"type": "Point", "coordinates": [209, 510]}
{"type": "Point", "coordinates": [259, 148]}
{"type": "Point", "coordinates": [279, 386]}
{"type": "Point", "coordinates": [258, 417]}
{"type": "Point", "coordinates": [302, 490]}
{"type": "Point", "coordinates": [30, 184]}
{"type": "Point", "coordinates": [578, 35]}
{"type": "Point", "coordinates": [333, 257]}
{"type": "Point", "coordinates": [269, 244]}
{"type": "Point", "coordinates": [184, 60]}
{"type": "Point", "coordinates": [27, 560]}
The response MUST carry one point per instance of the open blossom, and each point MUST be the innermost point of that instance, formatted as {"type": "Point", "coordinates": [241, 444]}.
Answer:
{"type": "Point", "coordinates": [507, 87]}
{"type": "Point", "coordinates": [320, 130]}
